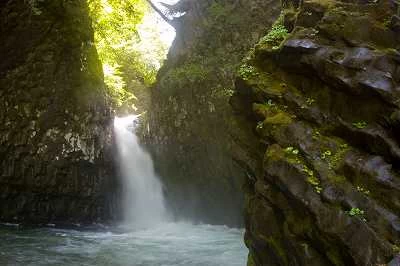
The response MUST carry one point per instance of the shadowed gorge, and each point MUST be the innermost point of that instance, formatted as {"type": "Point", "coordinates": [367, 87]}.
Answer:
{"type": "Point", "coordinates": [272, 125]}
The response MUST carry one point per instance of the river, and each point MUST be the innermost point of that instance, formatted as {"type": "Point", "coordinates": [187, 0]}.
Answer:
{"type": "Point", "coordinates": [169, 244]}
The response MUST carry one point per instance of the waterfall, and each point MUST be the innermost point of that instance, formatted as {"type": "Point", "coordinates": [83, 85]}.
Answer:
{"type": "Point", "coordinates": [143, 200]}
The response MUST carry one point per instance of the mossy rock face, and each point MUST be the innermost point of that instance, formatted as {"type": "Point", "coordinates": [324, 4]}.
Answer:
{"type": "Point", "coordinates": [55, 130]}
{"type": "Point", "coordinates": [330, 169]}
{"type": "Point", "coordinates": [193, 134]}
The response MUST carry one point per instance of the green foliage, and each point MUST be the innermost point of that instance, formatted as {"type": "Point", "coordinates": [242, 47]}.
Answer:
{"type": "Point", "coordinates": [360, 124]}
{"type": "Point", "coordinates": [276, 35]}
{"type": "Point", "coordinates": [292, 150]}
{"type": "Point", "coordinates": [356, 212]}
{"type": "Point", "coordinates": [118, 44]}
{"type": "Point", "coordinates": [247, 72]}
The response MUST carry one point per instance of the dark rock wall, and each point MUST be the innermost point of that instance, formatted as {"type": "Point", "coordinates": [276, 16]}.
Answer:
{"type": "Point", "coordinates": [55, 123]}
{"type": "Point", "coordinates": [191, 123]}
{"type": "Point", "coordinates": [324, 107]}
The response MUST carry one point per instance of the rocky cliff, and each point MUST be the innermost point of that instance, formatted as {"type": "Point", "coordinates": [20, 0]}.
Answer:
{"type": "Point", "coordinates": [191, 122]}
{"type": "Point", "coordinates": [320, 94]}
{"type": "Point", "coordinates": [55, 121]}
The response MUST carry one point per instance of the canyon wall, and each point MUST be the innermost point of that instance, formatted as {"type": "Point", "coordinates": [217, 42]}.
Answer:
{"type": "Point", "coordinates": [312, 129]}
{"type": "Point", "coordinates": [190, 121]}
{"type": "Point", "coordinates": [55, 118]}
{"type": "Point", "coordinates": [322, 90]}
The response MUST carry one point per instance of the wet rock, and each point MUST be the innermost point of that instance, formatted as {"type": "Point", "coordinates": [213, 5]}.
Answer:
{"type": "Point", "coordinates": [193, 136]}
{"type": "Point", "coordinates": [55, 131]}
{"type": "Point", "coordinates": [395, 24]}
{"type": "Point", "coordinates": [329, 179]}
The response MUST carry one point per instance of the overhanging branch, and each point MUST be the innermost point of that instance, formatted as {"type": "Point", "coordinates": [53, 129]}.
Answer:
{"type": "Point", "coordinates": [163, 16]}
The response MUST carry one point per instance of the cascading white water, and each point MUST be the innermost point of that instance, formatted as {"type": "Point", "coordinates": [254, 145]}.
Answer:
{"type": "Point", "coordinates": [142, 191]}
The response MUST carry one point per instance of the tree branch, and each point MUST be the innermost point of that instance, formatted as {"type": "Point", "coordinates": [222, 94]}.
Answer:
{"type": "Point", "coordinates": [163, 16]}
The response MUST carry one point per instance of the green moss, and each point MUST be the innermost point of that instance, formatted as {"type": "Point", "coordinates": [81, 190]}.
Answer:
{"type": "Point", "coordinates": [280, 118]}
{"type": "Point", "coordinates": [325, 3]}
{"type": "Point", "coordinates": [334, 152]}
{"type": "Point", "coordinates": [261, 80]}
{"type": "Point", "coordinates": [264, 110]}
{"type": "Point", "coordinates": [218, 11]}
{"type": "Point", "coordinates": [312, 179]}
{"type": "Point", "coordinates": [298, 226]}
{"type": "Point", "coordinates": [338, 179]}
{"type": "Point", "coordinates": [334, 256]}
{"type": "Point", "coordinates": [184, 75]}
{"type": "Point", "coordinates": [275, 152]}
{"type": "Point", "coordinates": [278, 249]}
{"type": "Point", "coordinates": [250, 260]}
{"type": "Point", "coordinates": [221, 92]}
{"type": "Point", "coordinates": [335, 160]}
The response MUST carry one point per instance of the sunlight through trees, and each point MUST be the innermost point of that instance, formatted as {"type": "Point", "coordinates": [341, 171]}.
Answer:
{"type": "Point", "coordinates": [130, 46]}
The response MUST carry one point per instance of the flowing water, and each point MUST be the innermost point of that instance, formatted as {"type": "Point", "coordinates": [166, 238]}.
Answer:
{"type": "Point", "coordinates": [142, 195]}
{"type": "Point", "coordinates": [170, 244]}
{"type": "Point", "coordinates": [147, 236]}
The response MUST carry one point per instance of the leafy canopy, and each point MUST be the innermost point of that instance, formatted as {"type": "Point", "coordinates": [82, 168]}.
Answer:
{"type": "Point", "coordinates": [120, 48]}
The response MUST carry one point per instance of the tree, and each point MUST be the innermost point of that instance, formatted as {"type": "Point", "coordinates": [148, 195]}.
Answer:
{"type": "Point", "coordinates": [117, 40]}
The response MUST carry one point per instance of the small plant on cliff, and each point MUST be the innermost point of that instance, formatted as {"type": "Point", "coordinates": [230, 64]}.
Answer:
{"type": "Point", "coordinates": [326, 154]}
{"type": "Point", "coordinates": [396, 249]}
{"type": "Point", "coordinates": [34, 7]}
{"type": "Point", "coordinates": [312, 179]}
{"type": "Point", "coordinates": [276, 35]}
{"type": "Point", "coordinates": [360, 124]}
{"type": "Point", "coordinates": [246, 72]}
{"type": "Point", "coordinates": [292, 150]}
{"type": "Point", "coordinates": [363, 190]}
{"type": "Point", "coordinates": [356, 212]}
{"type": "Point", "coordinates": [310, 101]}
